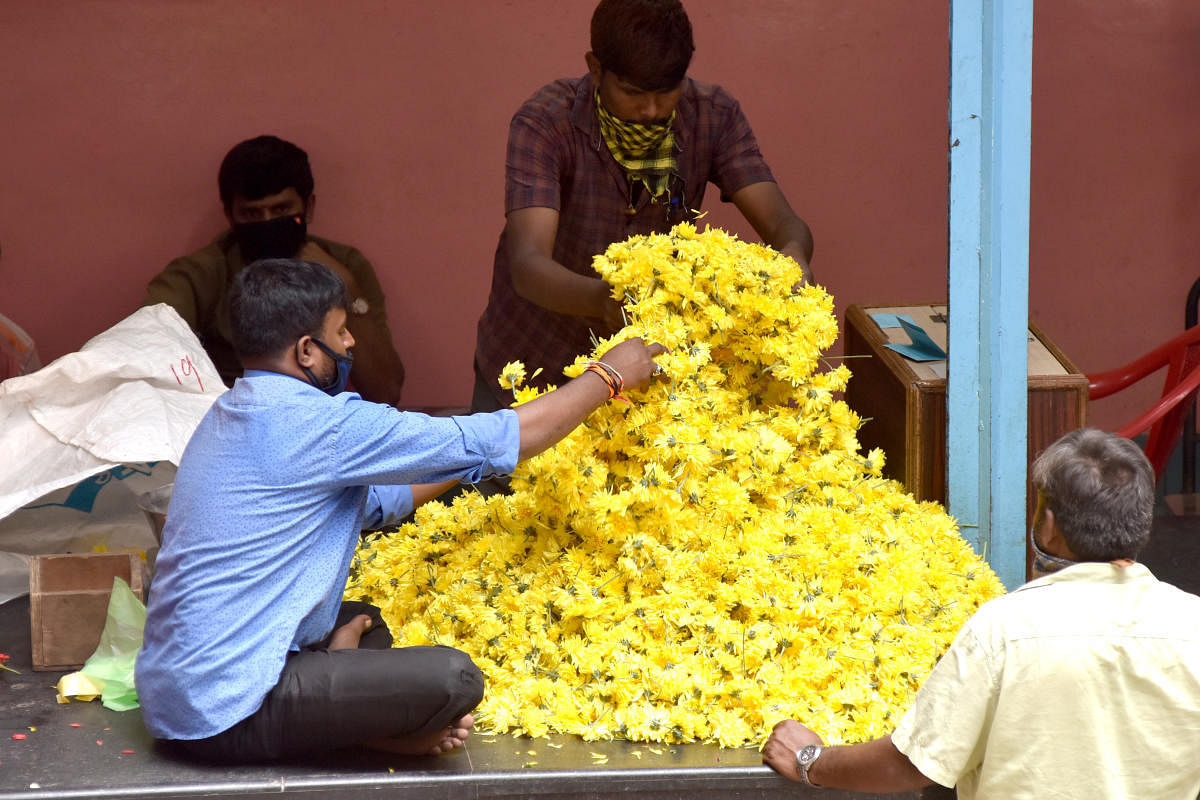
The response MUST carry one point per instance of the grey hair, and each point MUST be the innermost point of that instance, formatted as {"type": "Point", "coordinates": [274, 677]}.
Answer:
{"type": "Point", "coordinates": [1101, 489]}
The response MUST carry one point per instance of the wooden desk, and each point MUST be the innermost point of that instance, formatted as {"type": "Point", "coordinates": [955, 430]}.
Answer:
{"type": "Point", "coordinates": [906, 400]}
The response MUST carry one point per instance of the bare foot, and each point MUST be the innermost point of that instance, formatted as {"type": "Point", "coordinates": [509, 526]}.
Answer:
{"type": "Point", "coordinates": [443, 741]}
{"type": "Point", "coordinates": [455, 736]}
{"type": "Point", "coordinates": [347, 636]}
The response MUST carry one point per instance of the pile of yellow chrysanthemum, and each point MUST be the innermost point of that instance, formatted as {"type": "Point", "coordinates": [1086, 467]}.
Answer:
{"type": "Point", "coordinates": [714, 558]}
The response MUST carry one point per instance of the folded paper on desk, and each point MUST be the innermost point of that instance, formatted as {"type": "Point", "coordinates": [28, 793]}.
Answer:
{"type": "Point", "coordinates": [82, 438]}
{"type": "Point", "coordinates": [885, 320]}
{"type": "Point", "coordinates": [922, 348]}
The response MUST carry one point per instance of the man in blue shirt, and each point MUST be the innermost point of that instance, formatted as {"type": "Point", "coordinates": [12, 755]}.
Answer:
{"type": "Point", "coordinates": [250, 653]}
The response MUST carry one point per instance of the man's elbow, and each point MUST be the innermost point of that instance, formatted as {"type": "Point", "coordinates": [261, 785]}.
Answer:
{"type": "Point", "coordinates": [795, 230]}
{"type": "Point", "coordinates": [523, 276]}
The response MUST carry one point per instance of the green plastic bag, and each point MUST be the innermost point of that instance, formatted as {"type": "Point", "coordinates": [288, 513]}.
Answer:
{"type": "Point", "coordinates": [112, 663]}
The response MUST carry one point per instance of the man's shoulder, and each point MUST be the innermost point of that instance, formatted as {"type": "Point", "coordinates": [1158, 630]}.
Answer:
{"type": "Point", "coordinates": [268, 388]}
{"type": "Point", "coordinates": [710, 94]}
{"type": "Point", "coordinates": [707, 104]}
{"type": "Point", "coordinates": [1176, 602]}
{"type": "Point", "coordinates": [279, 395]}
{"type": "Point", "coordinates": [1088, 592]}
{"type": "Point", "coordinates": [213, 254]}
{"type": "Point", "coordinates": [218, 250]}
{"type": "Point", "coordinates": [342, 252]}
{"type": "Point", "coordinates": [266, 401]}
{"type": "Point", "coordinates": [194, 283]}
{"type": "Point", "coordinates": [554, 101]}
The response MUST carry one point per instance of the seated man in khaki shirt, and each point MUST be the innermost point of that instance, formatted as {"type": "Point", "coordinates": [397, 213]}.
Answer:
{"type": "Point", "coordinates": [266, 188]}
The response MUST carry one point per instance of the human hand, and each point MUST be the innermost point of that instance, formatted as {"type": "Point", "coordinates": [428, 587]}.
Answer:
{"type": "Point", "coordinates": [614, 315]}
{"type": "Point", "coordinates": [786, 739]}
{"type": "Point", "coordinates": [796, 253]}
{"type": "Point", "coordinates": [804, 281]}
{"type": "Point", "coordinates": [634, 360]}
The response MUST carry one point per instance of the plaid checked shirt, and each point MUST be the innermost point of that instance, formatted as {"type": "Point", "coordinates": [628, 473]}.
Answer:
{"type": "Point", "coordinates": [557, 159]}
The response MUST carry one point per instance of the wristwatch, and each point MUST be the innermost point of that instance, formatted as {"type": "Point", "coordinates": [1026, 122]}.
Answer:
{"type": "Point", "coordinates": [805, 758]}
{"type": "Point", "coordinates": [360, 306]}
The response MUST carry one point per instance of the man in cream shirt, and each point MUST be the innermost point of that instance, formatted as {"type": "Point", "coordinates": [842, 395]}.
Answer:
{"type": "Point", "coordinates": [1084, 683]}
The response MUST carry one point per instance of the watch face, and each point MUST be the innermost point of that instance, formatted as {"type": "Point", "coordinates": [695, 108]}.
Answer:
{"type": "Point", "coordinates": [804, 759]}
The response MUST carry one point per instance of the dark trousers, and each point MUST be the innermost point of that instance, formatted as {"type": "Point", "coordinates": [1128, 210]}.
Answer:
{"type": "Point", "coordinates": [482, 398]}
{"type": "Point", "coordinates": [329, 699]}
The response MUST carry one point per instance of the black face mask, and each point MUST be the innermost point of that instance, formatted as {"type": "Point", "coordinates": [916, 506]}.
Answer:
{"type": "Point", "coordinates": [336, 384]}
{"type": "Point", "coordinates": [281, 237]}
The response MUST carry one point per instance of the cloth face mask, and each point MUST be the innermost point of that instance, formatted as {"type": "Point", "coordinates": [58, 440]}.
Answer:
{"type": "Point", "coordinates": [645, 152]}
{"type": "Point", "coordinates": [281, 237]}
{"type": "Point", "coordinates": [1044, 563]}
{"type": "Point", "coordinates": [344, 362]}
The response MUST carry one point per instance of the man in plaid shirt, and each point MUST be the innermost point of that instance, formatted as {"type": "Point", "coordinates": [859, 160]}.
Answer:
{"type": "Point", "coordinates": [627, 149]}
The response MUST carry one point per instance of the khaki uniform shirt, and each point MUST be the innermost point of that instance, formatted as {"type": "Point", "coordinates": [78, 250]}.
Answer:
{"type": "Point", "coordinates": [197, 286]}
{"type": "Point", "coordinates": [1083, 684]}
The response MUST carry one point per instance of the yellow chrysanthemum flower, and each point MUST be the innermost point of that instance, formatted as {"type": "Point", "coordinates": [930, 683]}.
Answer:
{"type": "Point", "coordinates": [715, 558]}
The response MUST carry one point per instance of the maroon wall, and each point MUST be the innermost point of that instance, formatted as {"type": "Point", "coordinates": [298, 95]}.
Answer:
{"type": "Point", "coordinates": [1115, 185]}
{"type": "Point", "coordinates": [115, 115]}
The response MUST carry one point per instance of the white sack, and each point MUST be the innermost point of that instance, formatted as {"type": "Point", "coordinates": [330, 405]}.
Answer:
{"type": "Point", "coordinates": [128, 398]}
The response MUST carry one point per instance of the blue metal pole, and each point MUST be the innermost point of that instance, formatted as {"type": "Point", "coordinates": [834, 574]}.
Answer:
{"type": "Point", "coordinates": [991, 77]}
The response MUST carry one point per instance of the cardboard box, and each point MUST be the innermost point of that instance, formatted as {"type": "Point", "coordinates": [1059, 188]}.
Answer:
{"type": "Point", "coordinates": [68, 603]}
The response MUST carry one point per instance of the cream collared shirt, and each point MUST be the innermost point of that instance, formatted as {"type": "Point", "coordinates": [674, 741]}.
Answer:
{"type": "Point", "coordinates": [1083, 684]}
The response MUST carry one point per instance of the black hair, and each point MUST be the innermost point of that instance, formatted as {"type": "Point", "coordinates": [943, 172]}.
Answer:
{"type": "Point", "coordinates": [646, 42]}
{"type": "Point", "coordinates": [276, 301]}
{"type": "Point", "coordinates": [263, 166]}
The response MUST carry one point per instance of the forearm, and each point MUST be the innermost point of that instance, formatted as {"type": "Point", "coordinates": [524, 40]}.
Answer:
{"type": "Point", "coordinates": [552, 416]}
{"type": "Point", "coordinates": [875, 766]}
{"type": "Point", "coordinates": [424, 492]}
{"type": "Point", "coordinates": [767, 210]}
{"type": "Point", "coordinates": [545, 282]}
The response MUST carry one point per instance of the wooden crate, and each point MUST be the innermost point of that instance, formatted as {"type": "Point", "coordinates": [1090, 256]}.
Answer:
{"type": "Point", "coordinates": [68, 603]}
{"type": "Point", "coordinates": [906, 400]}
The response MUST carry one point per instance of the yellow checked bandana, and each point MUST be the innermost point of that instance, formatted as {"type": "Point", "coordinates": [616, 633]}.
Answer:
{"type": "Point", "coordinates": [645, 152]}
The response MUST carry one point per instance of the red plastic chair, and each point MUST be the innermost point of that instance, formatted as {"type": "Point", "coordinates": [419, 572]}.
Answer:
{"type": "Point", "coordinates": [1164, 420]}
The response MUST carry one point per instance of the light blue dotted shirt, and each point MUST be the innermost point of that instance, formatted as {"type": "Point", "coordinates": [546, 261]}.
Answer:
{"type": "Point", "coordinates": [272, 491]}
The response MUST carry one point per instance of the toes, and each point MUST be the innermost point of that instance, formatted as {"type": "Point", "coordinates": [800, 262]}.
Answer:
{"type": "Point", "coordinates": [446, 746]}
